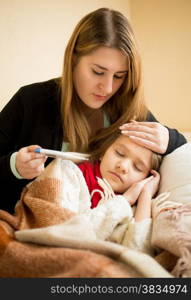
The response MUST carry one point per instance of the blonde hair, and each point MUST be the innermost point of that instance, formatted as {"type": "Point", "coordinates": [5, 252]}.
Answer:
{"type": "Point", "coordinates": [108, 28]}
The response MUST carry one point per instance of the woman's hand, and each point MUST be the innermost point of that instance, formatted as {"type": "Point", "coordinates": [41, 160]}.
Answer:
{"type": "Point", "coordinates": [28, 163]}
{"type": "Point", "coordinates": [133, 193]}
{"type": "Point", "coordinates": [151, 135]}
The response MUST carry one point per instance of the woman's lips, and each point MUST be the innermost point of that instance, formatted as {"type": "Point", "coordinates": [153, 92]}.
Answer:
{"type": "Point", "coordinates": [116, 175]}
{"type": "Point", "coordinates": [99, 97]}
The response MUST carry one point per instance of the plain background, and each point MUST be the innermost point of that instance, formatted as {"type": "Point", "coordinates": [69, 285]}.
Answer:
{"type": "Point", "coordinates": [34, 35]}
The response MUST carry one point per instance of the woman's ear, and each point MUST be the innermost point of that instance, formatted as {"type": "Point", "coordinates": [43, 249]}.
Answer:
{"type": "Point", "coordinates": [74, 60]}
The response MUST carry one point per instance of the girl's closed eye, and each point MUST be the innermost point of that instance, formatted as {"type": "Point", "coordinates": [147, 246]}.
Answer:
{"type": "Point", "coordinates": [138, 168]}
{"type": "Point", "coordinates": [119, 153]}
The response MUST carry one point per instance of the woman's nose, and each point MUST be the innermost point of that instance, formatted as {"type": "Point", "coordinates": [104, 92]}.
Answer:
{"type": "Point", "coordinates": [107, 85]}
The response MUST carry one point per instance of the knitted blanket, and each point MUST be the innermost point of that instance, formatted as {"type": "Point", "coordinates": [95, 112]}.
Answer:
{"type": "Point", "coordinates": [45, 239]}
{"type": "Point", "coordinates": [172, 232]}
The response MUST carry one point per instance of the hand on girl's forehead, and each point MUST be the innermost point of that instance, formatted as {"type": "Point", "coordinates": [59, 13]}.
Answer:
{"type": "Point", "coordinates": [138, 152]}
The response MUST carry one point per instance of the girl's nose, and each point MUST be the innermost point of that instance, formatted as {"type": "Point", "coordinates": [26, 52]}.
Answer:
{"type": "Point", "coordinates": [124, 166]}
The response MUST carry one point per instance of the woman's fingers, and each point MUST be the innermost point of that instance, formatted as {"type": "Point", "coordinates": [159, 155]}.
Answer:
{"type": "Point", "coordinates": [35, 163]}
{"type": "Point", "coordinates": [151, 135]}
{"type": "Point", "coordinates": [28, 163]}
{"type": "Point", "coordinates": [141, 134]}
{"type": "Point", "coordinates": [134, 124]}
{"type": "Point", "coordinates": [27, 153]}
{"type": "Point", "coordinates": [152, 145]}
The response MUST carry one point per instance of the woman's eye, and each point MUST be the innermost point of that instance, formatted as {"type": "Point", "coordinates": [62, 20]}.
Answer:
{"type": "Point", "coordinates": [96, 72]}
{"type": "Point", "coordinates": [118, 77]}
{"type": "Point", "coordinates": [102, 73]}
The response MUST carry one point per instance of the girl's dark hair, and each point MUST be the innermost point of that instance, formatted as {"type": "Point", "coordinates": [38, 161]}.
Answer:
{"type": "Point", "coordinates": [99, 152]}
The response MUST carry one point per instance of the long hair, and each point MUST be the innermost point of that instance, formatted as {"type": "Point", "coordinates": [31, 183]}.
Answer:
{"type": "Point", "coordinates": [108, 28]}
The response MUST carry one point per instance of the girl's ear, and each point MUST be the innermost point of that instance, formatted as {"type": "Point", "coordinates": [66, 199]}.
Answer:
{"type": "Point", "coordinates": [101, 158]}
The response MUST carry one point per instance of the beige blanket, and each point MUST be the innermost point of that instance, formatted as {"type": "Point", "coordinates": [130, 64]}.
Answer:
{"type": "Point", "coordinates": [44, 239]}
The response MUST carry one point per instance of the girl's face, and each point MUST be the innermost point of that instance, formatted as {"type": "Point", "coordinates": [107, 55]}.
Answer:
{"type": "Point", "coordinates": [125, 163]}
{"type": "Point", "coordinates": [99, 75]}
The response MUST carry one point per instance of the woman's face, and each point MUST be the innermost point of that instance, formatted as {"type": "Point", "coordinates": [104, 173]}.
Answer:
{"type": "Point", "coordinates": [99, 75]}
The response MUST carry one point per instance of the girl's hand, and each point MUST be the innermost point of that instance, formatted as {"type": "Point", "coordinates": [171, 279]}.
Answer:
{"type": "Point", "coordinates": [133, 193]}
{"type": "Point", "coordinates": [28, 163]}
{"type": "Point", "coordinates": [152, 185]}
{"type": "Point", "coordinates": [151, 135]}
{"type": "Point", "coordinates": [143, 209]}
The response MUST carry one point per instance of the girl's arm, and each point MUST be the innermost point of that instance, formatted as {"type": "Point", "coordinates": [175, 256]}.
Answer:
{"type": "Point", "coordinates": [143, 210]}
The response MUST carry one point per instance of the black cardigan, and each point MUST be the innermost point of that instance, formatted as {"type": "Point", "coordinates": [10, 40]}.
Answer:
{"type": "Point", "coordinates": [32, 117]}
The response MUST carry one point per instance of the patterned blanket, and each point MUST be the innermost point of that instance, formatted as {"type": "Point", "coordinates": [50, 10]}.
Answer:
{"type": "Point", "coordinates": [43, 239]}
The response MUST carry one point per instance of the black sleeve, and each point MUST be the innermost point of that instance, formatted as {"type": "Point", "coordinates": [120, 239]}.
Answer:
{"type": "Point", "coordinates": [10, 128]}
{"type": "Point", "coordinates": [31, 117]}
{"type": "Point", "coordinates": [176, 139]}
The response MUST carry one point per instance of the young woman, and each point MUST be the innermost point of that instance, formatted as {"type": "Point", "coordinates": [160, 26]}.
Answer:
{"type": "Point", "coordinates": [100, 89]}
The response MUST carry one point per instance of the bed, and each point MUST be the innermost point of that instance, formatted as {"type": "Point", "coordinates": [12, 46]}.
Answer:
{"type": "Point", "coordinates": [34, 242]}
{"type": "Point", "coordinates": [187, 135]}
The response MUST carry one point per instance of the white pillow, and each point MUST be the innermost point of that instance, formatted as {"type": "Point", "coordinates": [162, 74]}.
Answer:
{"type": "Point", "coordinates": [175, 173]}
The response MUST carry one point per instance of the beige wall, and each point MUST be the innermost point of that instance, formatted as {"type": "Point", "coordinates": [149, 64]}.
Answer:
{"type": "Point", "coordinates": [34, 35]}
{"type": "Point", "coordinates": [163, 29]}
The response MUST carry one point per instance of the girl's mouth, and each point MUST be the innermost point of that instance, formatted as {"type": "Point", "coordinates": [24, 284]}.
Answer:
{"type": "Point", "coordinates": [116, 175]}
